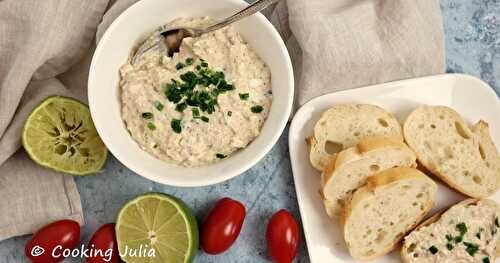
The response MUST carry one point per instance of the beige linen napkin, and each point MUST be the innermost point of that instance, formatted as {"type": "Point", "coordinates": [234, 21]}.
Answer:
{"type": "Point", "coordinates": [38, 41]}
{"type": "Point", "coordinates": [343, 44]}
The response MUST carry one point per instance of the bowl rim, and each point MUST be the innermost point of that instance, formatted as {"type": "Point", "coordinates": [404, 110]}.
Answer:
{"type": "Point", "coordinates": [228, 173]}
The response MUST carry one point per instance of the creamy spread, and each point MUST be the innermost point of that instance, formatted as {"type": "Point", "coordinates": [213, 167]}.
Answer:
{"type": "Point", "coordinates": [463, 234]}
{"type": "Point", "coordinates": [203, 104]}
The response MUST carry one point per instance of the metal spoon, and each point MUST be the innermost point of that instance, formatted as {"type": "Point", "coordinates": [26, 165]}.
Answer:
{"type": "Point", "coordinates": [170, 39]}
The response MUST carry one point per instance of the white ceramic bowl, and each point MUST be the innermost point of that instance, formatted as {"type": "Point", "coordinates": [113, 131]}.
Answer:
{"type": "Point", "coordinates": [112, 52]}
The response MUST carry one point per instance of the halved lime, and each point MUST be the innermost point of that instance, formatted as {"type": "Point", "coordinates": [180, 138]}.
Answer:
{"type": "Point", "coordinates": [59, 134]}
{"type": "Point", "coordinates": [160, 223]}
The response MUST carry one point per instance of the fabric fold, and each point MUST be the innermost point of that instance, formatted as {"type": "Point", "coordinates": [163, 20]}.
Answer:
{"type": "Point", "coordinates": [39, 40]}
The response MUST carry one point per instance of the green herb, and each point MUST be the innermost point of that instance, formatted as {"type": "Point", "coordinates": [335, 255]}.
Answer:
{"type": "Point", "coordinates": [433, 250]}
{"type": "Point", "coordinates": [220, 156]}
{"type": "Point", "coordinates": [244, 96]}
{"type": "Point", "coordinates": [478, 235]}
{"type": "Point", "coordinates": [223, 86]}
{"type": "Point", "coordinates": [190, 79]}
{"type": "Point", "coordinates": [175, 124]}
{"type": "Point", "coordinates": [493, 231]}
{"type": "Point", "coordinates": [471, 248]}
{"type": "Point", "coordinates": [181, 107]}
{"type": "Point", "coordinates": [158, 105]}
{"type": "Point", "coordinates": [179, 66]}
{"type": "Point", "coordinates": [147, 115]}
{"type": "Point", "coordinates": [486, 260]}
{"type": "Point", "coordinates": [257, 109]}
{"type": "Point", "coordinates": [458, 239]}
{"type": "Point", "coordinates": [449, 237]}
{"type": "Point", "coordinates": [151, 126]}
{"type": "Point", "coordinates": [196, 112]}
{"type": "Point", "coordinates": [183, 92]}
{"type": "Point", "coordinates": [229, 113]}
{"type": "Point", "coordinates": [462, 228]}
{"type": "Point", "coordinates": [496, 222]}
{"type": "Point", "coordinates": [173, 92]}
{"type": "Point", "coordinates": [449, 246]}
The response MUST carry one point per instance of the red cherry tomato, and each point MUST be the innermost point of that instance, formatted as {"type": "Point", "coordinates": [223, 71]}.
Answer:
{"type": "Point", "coordinates": [104, 243]}
{"type": "Point", "coordinates": [48, 243]}
{"type": "Point", "coordinates": [222, 226]}
{"type": "Point", "coordinates": [282, 237]}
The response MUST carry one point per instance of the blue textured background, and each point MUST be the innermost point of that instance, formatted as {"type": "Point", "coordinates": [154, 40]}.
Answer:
{"type": "Point", "coordinates": [472, 30]}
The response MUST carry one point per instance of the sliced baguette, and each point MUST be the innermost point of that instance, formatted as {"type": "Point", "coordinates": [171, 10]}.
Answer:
{"type": "Point", "coordinates": [350, 169]}
{"type": "Point", "coordinates": [464, 158]}
{"type": "Point", "coordinates": [475, 214]}
{"type": "Point", "coordinates": [343, 126]}
{"type": "Point", "coordinates": [382, 212]}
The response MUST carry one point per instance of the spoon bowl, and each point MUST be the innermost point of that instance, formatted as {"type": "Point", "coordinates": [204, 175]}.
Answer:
{"type": "Point", "coordinates": [169, 40]}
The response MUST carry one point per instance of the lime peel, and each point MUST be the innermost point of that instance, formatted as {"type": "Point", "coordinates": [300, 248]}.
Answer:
{"type": "Point", "coordinates": [174, 240]}
{"type": "Point", "coordinates": [59, 134]}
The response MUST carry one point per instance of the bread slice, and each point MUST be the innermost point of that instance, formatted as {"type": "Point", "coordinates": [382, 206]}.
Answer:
{"type": "Point", "coordinates": [350, 169]}
{"type": "Point", "coordinates": [382, 212]}
{"type": "Point", "coordinates": [343, 126]}
{"type": "Point", "coordinates": [441, 231]}
{"type": "Point", "coordinates": [465, 158]}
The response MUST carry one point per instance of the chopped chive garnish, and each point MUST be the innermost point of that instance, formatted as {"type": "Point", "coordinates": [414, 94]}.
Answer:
{"type": "Point", "coordinates": [493, 231]}
{"type": "Point", "coordinates": [181, 107]}
{"type": "Point", "coordinates": [196, 112]}
{"type": "Point", "coordinates": [462, 228]}
{"type": "Point", "coordinates": [471, 248]}
{"type": "Point", "coordinates": [433, 250]}
{"type": "Point", "coordinates": [158, 105]}
{"type": "Point", "coordinates": [449, 246]}
{"type": "Point", "coordinates": [179, 66]}
{"type": "Point", "coordinates": [257, 109]}
{"type": "Point", "coordinates": [175, 124]}
{"type": "Point", "coordinates": [220, 156]}
{"type": "Point", "coordinates": [486, 260]}
{"type": "Point", "coordinates": [151, 126]}
{"type": "Point", "coordinates": [244, 96]}
{"type": "Point", "coordinates": [496, 222]}
{"type": "Point", "coordinates": [478, 235]}
{"type": "Point", "coordinates": [458, 239]}
{"type": "Point", "coordinates": [184, 93]}
{"type": "Point", "coordinates": [229, 113]}
{"type": "Point", "coordinates": [147, 115]}
{"type": "Point", "coordinates": [449, 237]}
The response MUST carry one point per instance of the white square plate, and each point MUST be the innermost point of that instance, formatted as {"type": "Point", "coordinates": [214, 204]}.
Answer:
{"type": "Point", "coordinates": [469, 96]}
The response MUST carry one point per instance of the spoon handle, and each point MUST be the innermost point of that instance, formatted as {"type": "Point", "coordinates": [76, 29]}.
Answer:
{"type": "Point", "coordinates": [257, 6]}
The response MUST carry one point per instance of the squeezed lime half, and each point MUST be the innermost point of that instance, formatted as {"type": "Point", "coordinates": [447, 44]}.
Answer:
{"type": "Point", "coordinates": [59, 134]}
{"type": "Point", "coordinates": [160, 223]}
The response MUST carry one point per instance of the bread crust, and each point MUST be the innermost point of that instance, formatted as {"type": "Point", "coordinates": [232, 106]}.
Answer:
{"type": "Point", "coordinates": [480, 126]}
{"type": "Point", "coordinates": [365, 146]}
{"type": "Point", "coordinates": [317, 156]}
{"type": "Point", "coordinates": [380, 180]}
